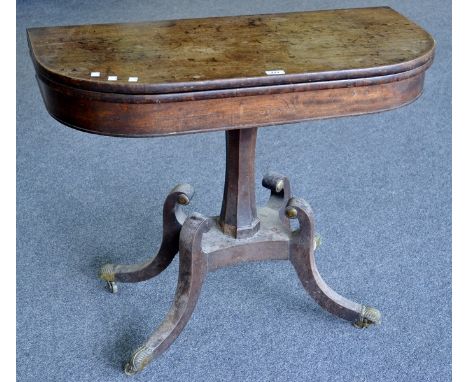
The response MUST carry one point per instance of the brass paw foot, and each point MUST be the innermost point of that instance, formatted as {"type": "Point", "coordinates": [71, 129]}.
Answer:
{"type": "Point", "coordinates": [369, 316]}
{"type": "Point", "coordinates": [139, 359]}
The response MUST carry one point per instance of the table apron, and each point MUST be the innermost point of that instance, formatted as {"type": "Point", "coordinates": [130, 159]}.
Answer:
{"type": "Point", "coordinates": [97, 115]}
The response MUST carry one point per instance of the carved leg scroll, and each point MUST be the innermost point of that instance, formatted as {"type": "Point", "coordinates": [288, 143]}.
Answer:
{"type": "Point", "coordinates": [173, 218]}
{"type": "Point", "coordinates": [280, 193]}
{"type": "Point", "coordinates": [192, 270]}
{"type": "Point", "coordinates": [301, 249]}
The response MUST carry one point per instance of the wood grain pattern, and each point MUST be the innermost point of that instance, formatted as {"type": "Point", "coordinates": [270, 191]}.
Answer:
{"type": "Point", "coordinates": [231, 52]}
{"type": "Point", "coordinates": [95, 115]}
{"type": "Point", "coordinates": [337, 63]}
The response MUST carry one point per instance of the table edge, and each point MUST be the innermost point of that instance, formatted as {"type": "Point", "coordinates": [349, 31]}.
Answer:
{"type": "Point", "coordinates": [235, 83]}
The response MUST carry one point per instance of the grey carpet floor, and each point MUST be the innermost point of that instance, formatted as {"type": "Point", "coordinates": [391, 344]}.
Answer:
{"type": "Point", "coordinates": [379, 185]}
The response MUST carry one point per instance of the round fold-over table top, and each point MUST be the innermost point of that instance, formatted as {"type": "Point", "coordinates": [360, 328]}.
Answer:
{"type": "Point", "coordinates": [182, 76]}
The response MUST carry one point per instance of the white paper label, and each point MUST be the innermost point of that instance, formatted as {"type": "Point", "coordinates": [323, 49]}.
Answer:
{"type": "Point", "coordinates": [112, 78]}
{"type": "Point", "coordinates": [274, 72]}
{"type": "Point", "coordinates": [95, 74]}
{"type": "Point", "coordinates": [132, 79]}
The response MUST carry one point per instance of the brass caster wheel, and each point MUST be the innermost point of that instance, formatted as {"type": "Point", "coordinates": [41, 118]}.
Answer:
{"type": "Point", "coordinates": [112, 286]}
{"type": "Point", "coordinates": [317, 241]}
{"type": "Point", "coordinates": [129, 370]}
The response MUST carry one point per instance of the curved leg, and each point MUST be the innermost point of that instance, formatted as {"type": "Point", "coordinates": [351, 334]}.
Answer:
{"type": "Point", "coordinates": [192, 270]}
{"type": "Point", "coordinates": [280, 193]}
{"type": "Point", "coordinates": [173, 218]}
{"type": "Point", "coordinates": [301, 252]}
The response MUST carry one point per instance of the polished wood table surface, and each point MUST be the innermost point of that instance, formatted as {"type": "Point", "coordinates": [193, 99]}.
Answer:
{"type": "Point", "coordinates": [236, 74]}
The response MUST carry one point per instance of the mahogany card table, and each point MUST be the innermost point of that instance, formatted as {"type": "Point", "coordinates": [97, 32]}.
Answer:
{"type": "Point", "coordinates": [152, 79]}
